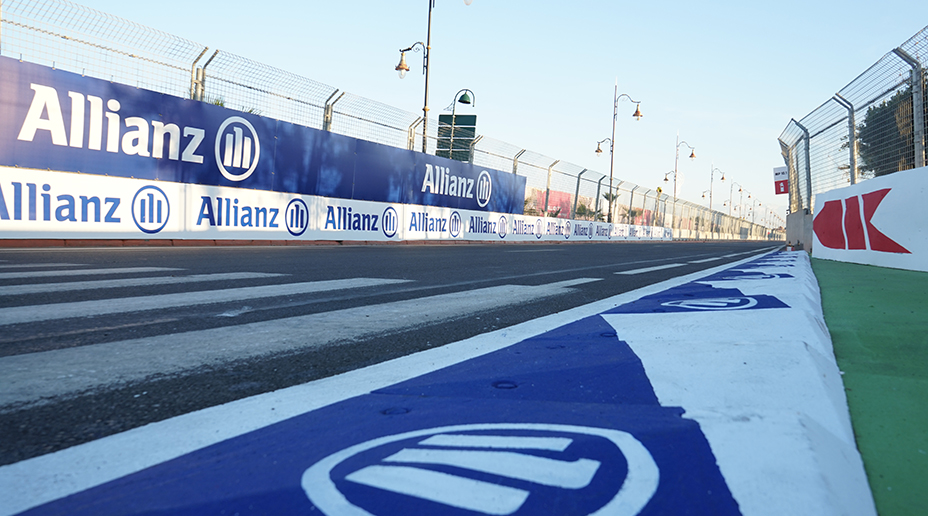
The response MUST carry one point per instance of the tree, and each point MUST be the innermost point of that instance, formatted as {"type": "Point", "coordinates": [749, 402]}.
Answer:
{"type": "Point", "coordinates": [885, 138]}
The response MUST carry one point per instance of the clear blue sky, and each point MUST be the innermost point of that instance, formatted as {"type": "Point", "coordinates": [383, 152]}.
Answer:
{"type": "Point", "coordinates": [727, 75]}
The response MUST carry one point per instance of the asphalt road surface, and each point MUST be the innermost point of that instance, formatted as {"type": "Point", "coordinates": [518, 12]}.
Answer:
{"type": "Point", "coordinates": [99, 341]}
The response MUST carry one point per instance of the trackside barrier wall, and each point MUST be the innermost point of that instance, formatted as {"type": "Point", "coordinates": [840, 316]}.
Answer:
{"type": "Point", "coordinates": [127, 163]}
{"type": "Point", "coordinates": [870, 223]}
{"type": "Point", "coordinates": [70, 37]}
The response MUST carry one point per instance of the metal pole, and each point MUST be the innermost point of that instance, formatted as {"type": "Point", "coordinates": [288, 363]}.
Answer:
{"type": "Point", "coordinates": [193, 75]}
{"type": "Point", "coordinates": [425, 107]}
{"type": "Point", "coordinates": [573, 211]}
{"type": "Point", "coordinates": [851, 135]}
{"type": "Point", "coordinates": [615, 114]}
{"type": "Point", "coordinates": [515, 161]}
{"type": "Point", "coordinates": [599, 185]}
{"type": "Point", "coordinates": [329, 110]}
{"type": "Point", "coordinates": [808, 200]}
{"type": "Point", "coordinates": [676, 159]}
{"type": "Point", "coordinates": [918, 109]}
{"type": "Point", "coordinates": [548, 187]}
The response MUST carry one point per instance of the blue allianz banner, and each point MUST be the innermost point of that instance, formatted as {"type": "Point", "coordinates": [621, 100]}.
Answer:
{"type": "Point", "coordinates": [56, 120]}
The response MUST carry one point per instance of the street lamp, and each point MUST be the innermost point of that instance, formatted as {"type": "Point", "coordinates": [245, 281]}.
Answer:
{"type": "Point", "coordinates": [712, 171]}
{"type": "Point", "coordinates": [731, 194]}
{"type": "Point", "coordinates": [676, 161]}
{"type": "Point", "coordinates": [464, 96]}
{"type": "Point", "coordinates": [402, 68]}
{"type": "Point", "coordinates": [615, 114]}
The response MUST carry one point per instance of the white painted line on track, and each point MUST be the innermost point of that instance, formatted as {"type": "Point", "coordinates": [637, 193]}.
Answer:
{"type": "Point", "coordinates": [43, 288]}
{"type": "Point", "coordinates": [42, 479]}
{"type": "Point", "coordinates": [652, 269]}
{"type": "Point", "coordinates": [83, 272]}
{"type": "Point", "coordinates": [706, 260]}
{"type": "Point", "coordinates": [30, 377]}
{"type": "Point", "coordinates": [39, 265]}
{"type": "Point", "coordinates": [36, 313]}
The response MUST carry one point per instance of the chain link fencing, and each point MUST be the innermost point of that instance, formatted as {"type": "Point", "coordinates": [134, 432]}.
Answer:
{"type": "Point", "coordinates": [872, 127]}
{"type": "Point", "coordinates": [71, 37]}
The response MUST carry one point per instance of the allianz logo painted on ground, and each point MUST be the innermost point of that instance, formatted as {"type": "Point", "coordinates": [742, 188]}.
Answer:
{"type": "Point", "coordinates": [237, 147]}
{"type": "Point", "coordinates": [439, 180]}
{"type": "Point", "coordinates": [495, 468]}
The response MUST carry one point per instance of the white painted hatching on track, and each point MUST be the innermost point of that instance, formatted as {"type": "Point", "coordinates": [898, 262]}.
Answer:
{"type": "Point", "coordinates": [652, 269]}
{"type": "Point", "coordinates": [38, 265]}
{"type": "Point", "coordinates": [706, 260]}
{"type": "Point", "coordinates": [30, 377]}
{"type": "Point", "coordinates": [37, 313]}
{"type": "Point", "coordinates": [45, 288]}
{"type": "Point", "coordinates": [83, 272]}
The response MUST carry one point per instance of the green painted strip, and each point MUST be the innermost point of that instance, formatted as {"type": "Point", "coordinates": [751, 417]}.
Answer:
{"type": "Point", "coordinates": [878, 319]}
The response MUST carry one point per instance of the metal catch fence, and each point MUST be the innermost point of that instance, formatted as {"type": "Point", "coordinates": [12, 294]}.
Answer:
{"type": "Point", "coordinates": [68, 36]}
{"type": "Point", "coordinates": [874, 126]}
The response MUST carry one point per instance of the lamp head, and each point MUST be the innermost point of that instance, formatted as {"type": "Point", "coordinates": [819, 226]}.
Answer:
{"type": "Point", "coordinates": [693, 154]}
{"type": "Point", "coordinates": [637, 113]}
{"type": "Point", "coordinates": [402, 68]}
{"type": "Point", "coordinates": [465, 99]}
{"type": "Point", "coordinates": [599, 149]}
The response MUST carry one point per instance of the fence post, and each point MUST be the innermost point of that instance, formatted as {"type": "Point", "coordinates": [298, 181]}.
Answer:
{"type": "Point", "coordinates": [631, 205]}
{"type": "Point", "coordinates": [548, 186]}
{"type": "Point", "coordinates": [918, 109]}
{"type": "Point", "coordinates": [411, 134]}
{"type": "Point", "coordinates": [851, 135]}
{"type": "Point", "coordinates": [329, 109]}
{"type": "Point", "coordinates": [201, 78]}
{"type": "Point", "coordinates": [599, 185]}
{"type": "Point", "coordinates": [471, 150]}
{"type": "Point", "coordinates": [515, 161]}
{"type": "Point", "coordinates": [193, 75]}
{"type": "Point", "coordinates": [573, 211]}
{"type": "Point", "coordinates": [808, 200]}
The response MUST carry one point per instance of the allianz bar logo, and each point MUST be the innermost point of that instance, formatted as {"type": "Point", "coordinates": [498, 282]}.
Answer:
{"type": "Point", "coordinates": [98, 125]}
{"type": "Point", "coordinates": [439, 180]}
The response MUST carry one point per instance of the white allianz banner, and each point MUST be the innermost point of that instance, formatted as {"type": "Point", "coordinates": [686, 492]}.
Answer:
{"type": "Point", "coordinates": [880, 221]}
{"type": "Point", "coordinates": [40, 204]}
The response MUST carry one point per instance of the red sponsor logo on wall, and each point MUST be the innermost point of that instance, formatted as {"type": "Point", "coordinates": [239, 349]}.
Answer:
{"type": "Point", "coordinates": [839, 225]}
{"type": "Point", "coordinates": [782, 187]}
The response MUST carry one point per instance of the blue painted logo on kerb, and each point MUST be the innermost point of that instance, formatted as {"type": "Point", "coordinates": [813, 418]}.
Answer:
{"type": "Point", "coordinates": [446, 466]}
{"type": "Point", "coordinates": [297, 217]}
{"type": "Point", "coordinates": [150, 209]}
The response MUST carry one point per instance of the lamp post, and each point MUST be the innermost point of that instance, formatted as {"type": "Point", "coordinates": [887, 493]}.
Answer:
{"type": "Point", "coordinates": [712, 171]}
{"type": "Point", "coordinates": [731, 191]}
{"type": "Point", "coordinates": [402, 68]}
{"type": "Point", "coordinates": [463, 96]}
{"type": "Point", "coordinates": [676, 161]}
{"type": "Point", "coordinates": [615, 114]}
